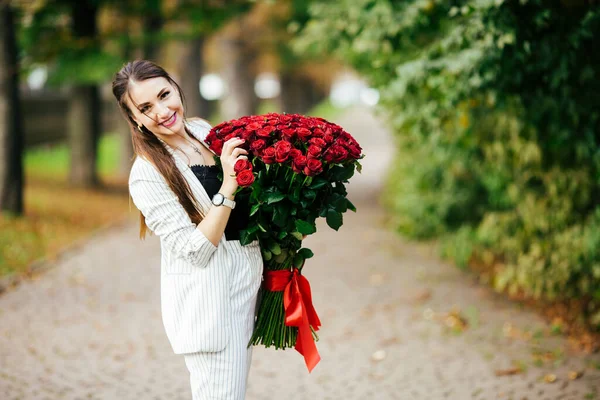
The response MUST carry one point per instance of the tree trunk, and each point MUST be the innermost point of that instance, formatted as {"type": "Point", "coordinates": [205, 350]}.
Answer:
{"type": "Point", "coordinates": [11, 127]}
{"type": "Point", "coordinates": [84, 133]}
{"type": "Point", "coordinates": [153, 23]}
{"type": "Point", "coordinates": [84, 107]}
{"type": "Point", "coordinates": [192, 69]}
{"type": "Point", "coordinates": [237, 60]}
{"type": "Point", "coordinates": [298, 93]}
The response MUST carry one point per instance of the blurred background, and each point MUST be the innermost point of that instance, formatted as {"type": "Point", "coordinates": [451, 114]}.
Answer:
{"type": "Point", "coordinates": [493, 108]}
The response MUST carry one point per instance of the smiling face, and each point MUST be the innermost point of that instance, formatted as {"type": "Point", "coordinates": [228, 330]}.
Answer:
{"type": "Point", "coordinates": [156, 104]}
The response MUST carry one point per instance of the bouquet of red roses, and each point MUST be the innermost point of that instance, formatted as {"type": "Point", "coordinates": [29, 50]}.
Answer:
{"type": "Point", "coordinates": [295, 173]}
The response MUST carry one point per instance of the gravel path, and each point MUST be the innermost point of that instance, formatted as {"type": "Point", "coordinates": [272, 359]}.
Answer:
{"type": "Point", "coordinates": [90, 327]}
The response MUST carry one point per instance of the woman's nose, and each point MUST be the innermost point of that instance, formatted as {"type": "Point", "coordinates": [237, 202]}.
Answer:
{"type": "Point", "coordinates": [162, 112]}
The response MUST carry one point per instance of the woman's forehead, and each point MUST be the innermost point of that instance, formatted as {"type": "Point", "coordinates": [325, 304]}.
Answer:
{"type": "Point", "coordinates": [146, 90]}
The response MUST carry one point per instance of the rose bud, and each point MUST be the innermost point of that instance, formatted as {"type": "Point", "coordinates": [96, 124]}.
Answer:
{"type": "Point", "coordinates": [282, 150]}
{"type": "Point", "coordinates": [268, 155]}
{"type": "Point", "coordinates": [313, 167]}
{"type": "Point", "coordinates": [295, 153]}
{"type": "Point", "coordinates": [241, 165]}
{"type": "Point", "coordinates": [245, 178]}
{"type": "Point", "coordinates": [303, 133]}
{"type": "Point", "coordinates": [317, 142]}
{"type": "Point", "coordinates": [314, 151]}
{"type": "Point", "coordinates": [257, 146]}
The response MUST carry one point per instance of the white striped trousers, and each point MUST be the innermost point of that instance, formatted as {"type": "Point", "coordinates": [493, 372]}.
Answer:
{"type": "Point", "coordinates": [223, 375]}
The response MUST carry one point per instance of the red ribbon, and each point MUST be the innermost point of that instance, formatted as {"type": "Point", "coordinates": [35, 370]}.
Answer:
{"type": "Point", "coordinates": [299, 310]}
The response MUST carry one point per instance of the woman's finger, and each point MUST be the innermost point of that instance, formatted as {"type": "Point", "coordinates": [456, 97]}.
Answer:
{"type": "Point", "coordinates": [238, 151]}
{"type": "Point", "coordinates": [231, 144]}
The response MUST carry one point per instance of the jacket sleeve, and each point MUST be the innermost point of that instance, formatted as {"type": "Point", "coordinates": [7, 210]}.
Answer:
{"type": "Point", "coordinates": [166, 217]}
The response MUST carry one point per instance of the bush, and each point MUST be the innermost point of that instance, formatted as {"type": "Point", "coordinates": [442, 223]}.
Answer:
{"type": "Point", "coordinates": [496, 109]}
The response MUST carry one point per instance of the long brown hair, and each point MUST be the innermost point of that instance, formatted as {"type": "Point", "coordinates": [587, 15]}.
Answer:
{"type": "Point", "coordinates": [148, 145]}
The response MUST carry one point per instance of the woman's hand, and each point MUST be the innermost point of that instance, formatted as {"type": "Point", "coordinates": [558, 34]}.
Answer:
{"type": "Point", "coordinates": [229, 156]}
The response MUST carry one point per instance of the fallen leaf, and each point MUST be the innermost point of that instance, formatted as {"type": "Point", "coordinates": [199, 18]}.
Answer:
{"type": "Point", "coordinates": [575, 375]}
{"type": "Point", "coordinates": [549, 378]}
{"type": "Point", "coordinates": [508, 371]}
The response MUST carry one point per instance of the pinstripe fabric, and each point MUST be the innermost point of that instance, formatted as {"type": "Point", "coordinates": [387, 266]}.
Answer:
{"type": "Point", "coordinates": [206, 299]}
{"type": "Point", "coordinates": [228, 369]}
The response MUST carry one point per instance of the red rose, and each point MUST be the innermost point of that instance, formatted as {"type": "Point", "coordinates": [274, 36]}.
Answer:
{"type": "Point", "coordinates": [318, 133]}
{"type": "Point", "coordinates": [295, 153]}
{"type": "Point", "coordinates": [314, 151]}
{"type": "Point", "coordinates": [245, 178]}
{"type": "Point", "coordinates": [300, 162]}
{"type": "Point", "coordinates": [265, 132]}
{"type": "Point", "coordinates": [268, 155]}
{"type": "Point", "coordinates": [247, 135]}
{"type": "Point", "coordinates": [212, 135]}
{"type": "Point", "coordinates": [288, 134]}
{"type": "Point", "coordinates": [225, 130]}
{"type": "Point", "coordinates": [217, 146]}
{"type": "Point", "coordinates": [354, 150]}
{"type": "Point", "coordinates": [339, 153]}
{"type": "Point", "coordinates": [303, 133]}
{"type": "Point", "coordinates": [313, 167]}
{"type": "Point", "coordinates": [241, 165]}
{"type": "Point", "coordinates": [328, 138]}
{"type": "Point", "coordinates": [317, 142]}
{"type": "Point", "coordinates": [282, 150]}
{"type": "Point", "coordinates": [257, 146]}
{"type": "Point", "coordinates": [229, 136]}
{"type": "Point", "coordinates": [254, 126]}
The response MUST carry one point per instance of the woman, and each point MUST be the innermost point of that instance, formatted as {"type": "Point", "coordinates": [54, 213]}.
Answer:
{"type": "Point", "coordinates": [209, 281]}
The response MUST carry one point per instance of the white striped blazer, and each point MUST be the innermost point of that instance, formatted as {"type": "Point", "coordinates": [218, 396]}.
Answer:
{"type": "Point", "coordinates": [194, 273]}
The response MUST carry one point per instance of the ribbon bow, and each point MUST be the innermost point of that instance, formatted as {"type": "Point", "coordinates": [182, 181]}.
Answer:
{"type": "Point", "coordinates": [299, 310]}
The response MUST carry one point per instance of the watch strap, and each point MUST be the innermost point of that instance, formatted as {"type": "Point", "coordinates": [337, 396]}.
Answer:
{"type": "Point", "coordinates": [228, 203]}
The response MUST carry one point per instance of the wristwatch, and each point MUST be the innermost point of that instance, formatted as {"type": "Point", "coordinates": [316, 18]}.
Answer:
{"type": "Point", "coordinates": [220, 200]}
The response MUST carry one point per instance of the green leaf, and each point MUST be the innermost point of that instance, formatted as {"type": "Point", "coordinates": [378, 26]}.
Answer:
{"type": "Point", "coordinates": [281, 235]}
{"type": "Point", "coordinates": [334, 219]}
{"type": "Point", "coordinates": [280, 258]}
{"type": "Point", "coordinates": [297, 235]}
{"type": "Point", "coordinates": [298, 261]}
{"type": "Point", "coordinates": [274, 197]}
{"type": "Point", "coordinates": [359, 167]}
{"type": "Point", "coordinates": [267, 255]}
{"type": "Point", "coordinates": [318, 183]}
{"type": "Point", "coordinates": [342, 173]}
{"type": "Point", "coordinates": [281, 214]}
{"type": "Point", "coordinates": [305, 228]}
{"type": "Point", "coordinates": [254, 209]}
{"type": "Point", "coordinates": [306, 253]}
{"type": "Point", "coordinates": [275, 248]}
{"type": "Point", "coordinates": [340, 204]}
{"type": "Point", "coordinates": [247, 237]}
{"type": "Point", "coordinates": [351, 206]}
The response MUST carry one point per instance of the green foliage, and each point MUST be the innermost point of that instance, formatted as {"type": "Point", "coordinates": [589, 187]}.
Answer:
{"type": "Point", "coordinates": [496, 109]}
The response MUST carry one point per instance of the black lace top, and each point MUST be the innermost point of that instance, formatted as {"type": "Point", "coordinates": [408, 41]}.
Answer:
{"type": "Point", "coordinates": [238, 220]}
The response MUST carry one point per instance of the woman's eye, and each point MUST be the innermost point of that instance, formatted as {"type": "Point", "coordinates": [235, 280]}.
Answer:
{"type": "Point", "coordinates": [165, 94]}
{"type": "Point", "coordinates": [143, 109]}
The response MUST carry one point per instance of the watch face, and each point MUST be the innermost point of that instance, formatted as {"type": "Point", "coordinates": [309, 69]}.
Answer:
{"type": "Point", "coordinates": [218, 199]}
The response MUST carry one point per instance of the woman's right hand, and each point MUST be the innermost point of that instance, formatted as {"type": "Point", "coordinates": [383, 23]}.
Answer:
{"type": "Point", "coordinates": [230, 153]}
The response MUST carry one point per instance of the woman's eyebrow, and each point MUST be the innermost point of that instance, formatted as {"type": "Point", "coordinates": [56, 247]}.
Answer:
{"type": "Point", "coordinates": [158, 96]}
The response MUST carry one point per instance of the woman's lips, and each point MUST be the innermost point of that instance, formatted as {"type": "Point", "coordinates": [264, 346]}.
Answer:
{"type": "Point", "coordinates": [170, 121]}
